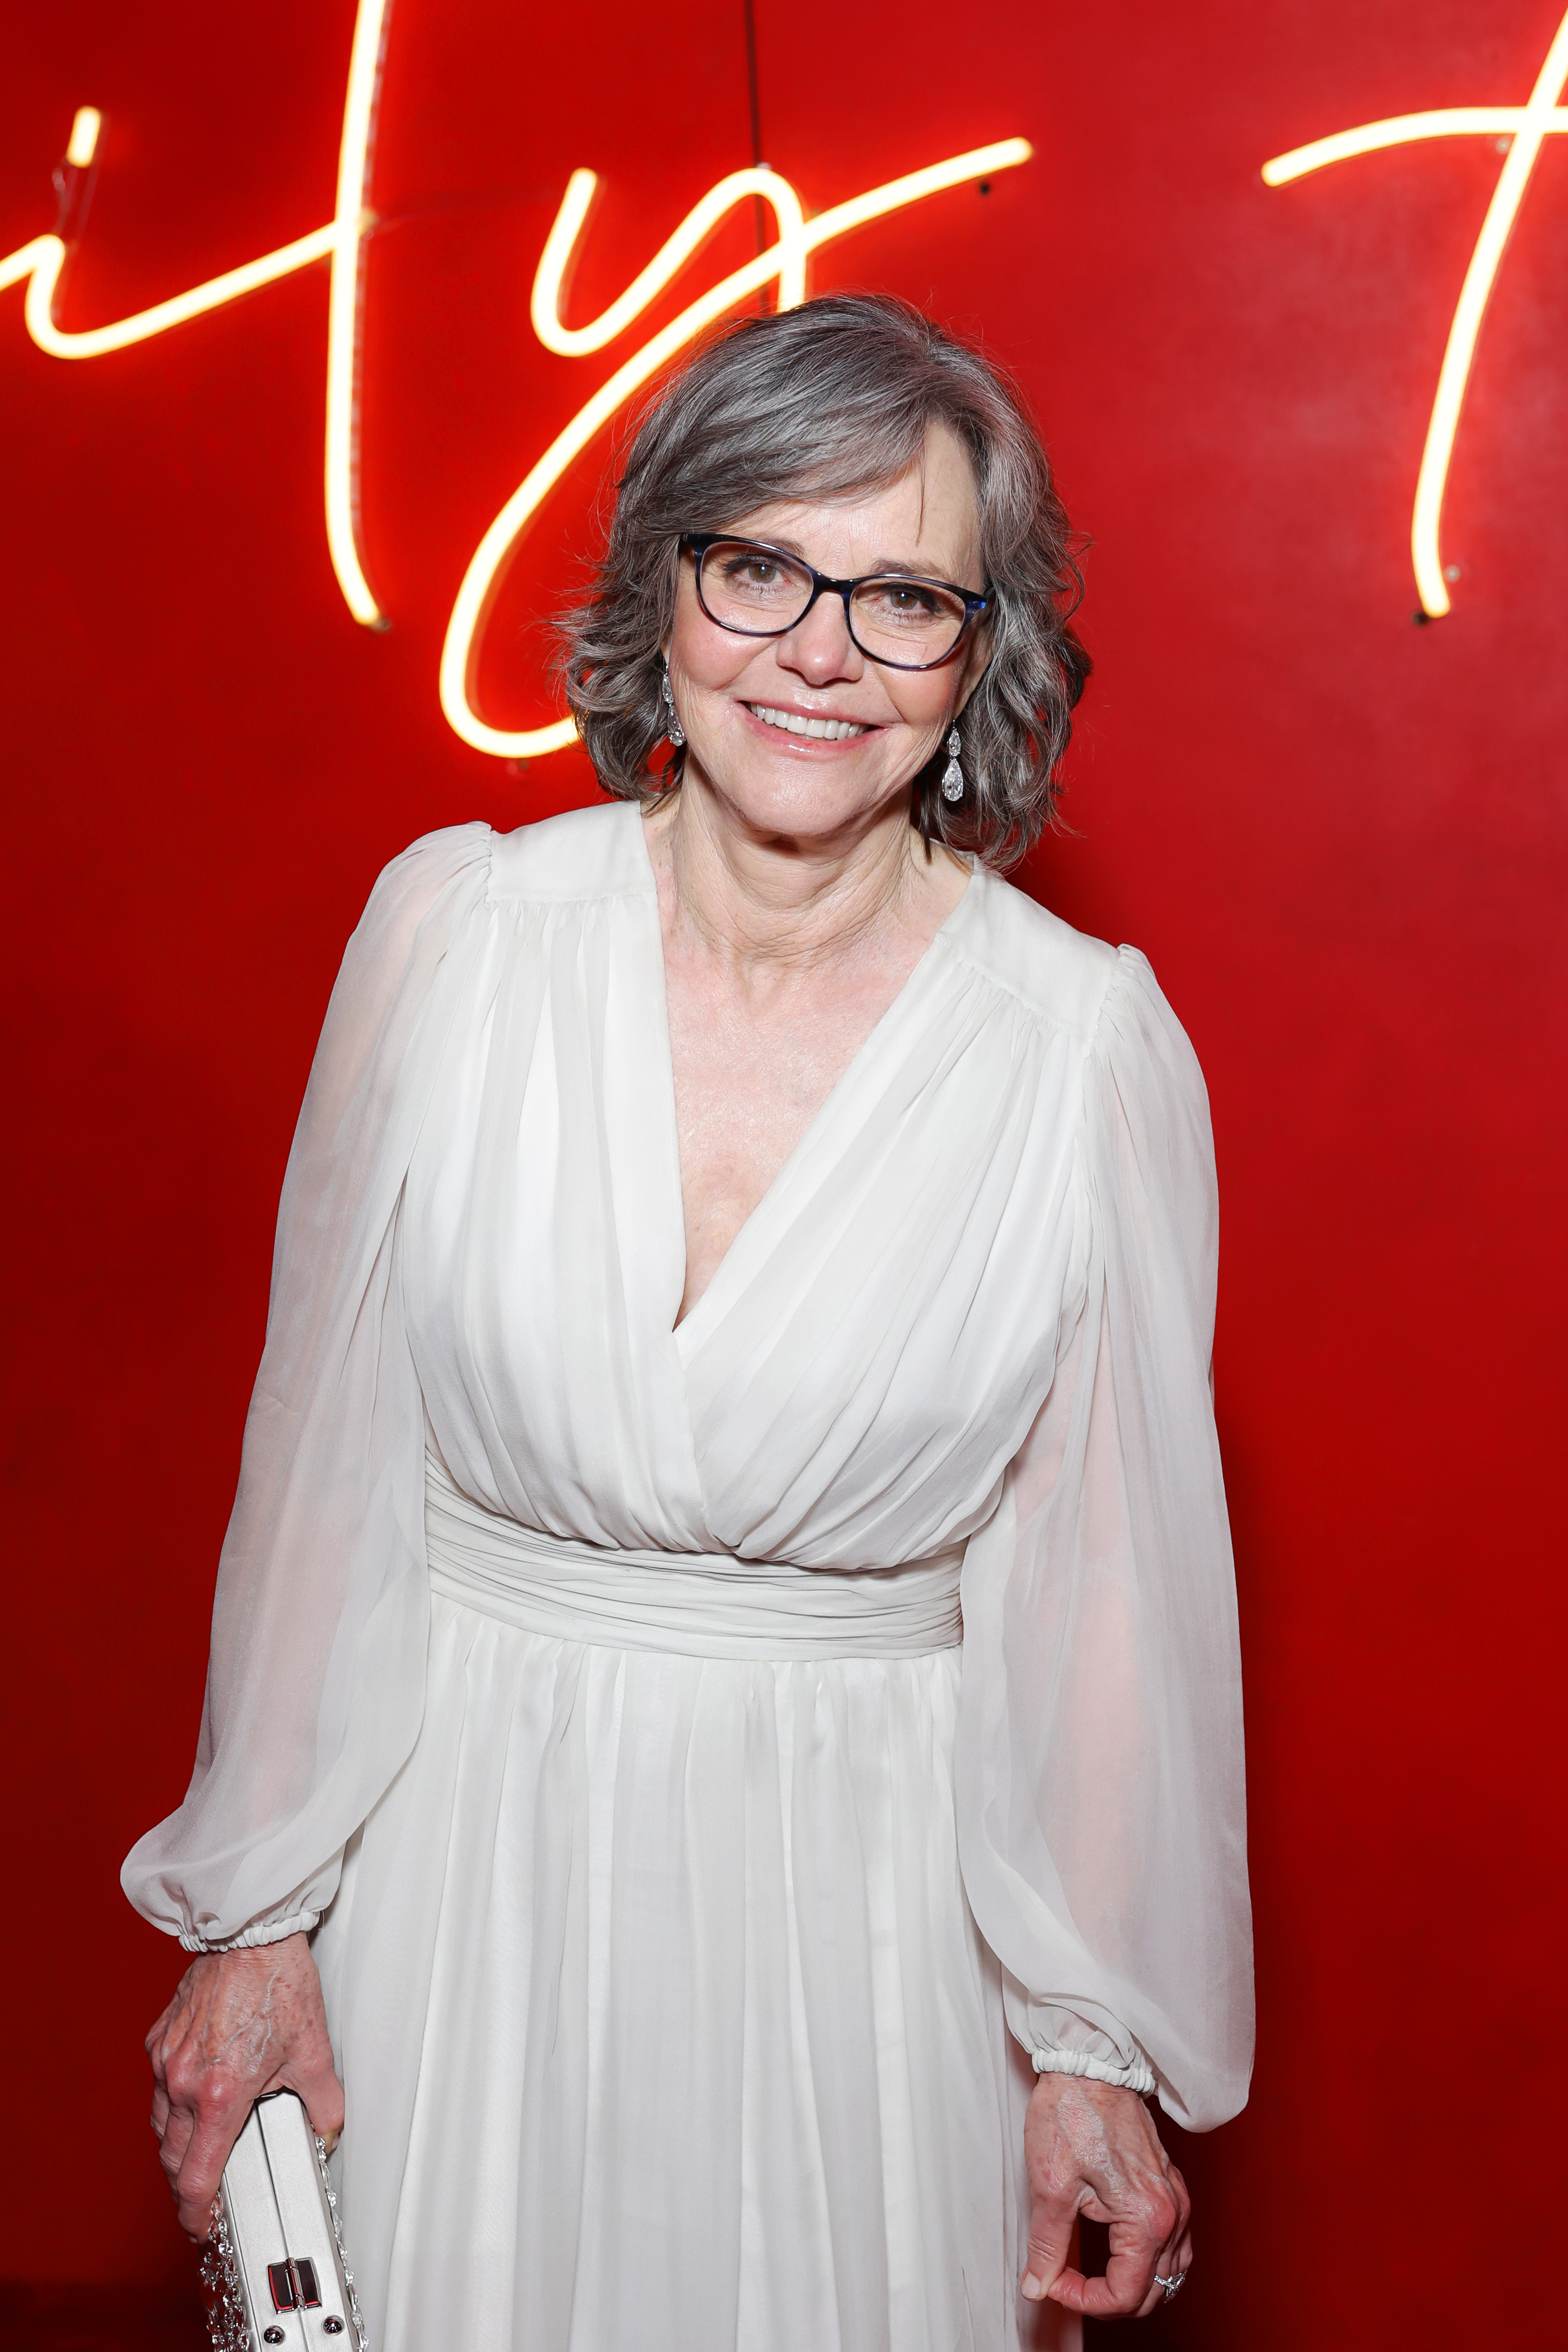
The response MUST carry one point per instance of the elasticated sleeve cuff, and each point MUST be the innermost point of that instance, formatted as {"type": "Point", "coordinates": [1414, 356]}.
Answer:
{"type": "Point", "coordinates": [1139, 2076]}
{"type": "Point", "coordinates": [265, 1931]}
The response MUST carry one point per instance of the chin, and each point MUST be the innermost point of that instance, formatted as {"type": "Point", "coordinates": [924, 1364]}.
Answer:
{"type": "Point", "coordinates": [804, 795]}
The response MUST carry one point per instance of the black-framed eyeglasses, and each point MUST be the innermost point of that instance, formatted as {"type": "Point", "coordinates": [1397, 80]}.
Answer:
{"type": "Point", "coordinates": [902, 622]}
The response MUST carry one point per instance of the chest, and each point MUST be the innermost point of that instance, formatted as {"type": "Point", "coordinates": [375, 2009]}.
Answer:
{"type": "Point", "coordinates": [751, 1065]}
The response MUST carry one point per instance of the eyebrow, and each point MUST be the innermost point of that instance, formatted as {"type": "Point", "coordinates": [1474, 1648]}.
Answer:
{"type": "Point", "coordinates": [902, 566]}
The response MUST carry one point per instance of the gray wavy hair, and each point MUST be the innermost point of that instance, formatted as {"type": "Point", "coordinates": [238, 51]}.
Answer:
{"type": "Point", "coordinates": [829, 401]}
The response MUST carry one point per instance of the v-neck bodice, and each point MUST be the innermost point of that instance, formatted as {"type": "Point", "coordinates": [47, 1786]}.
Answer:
{"type": "Point", "coordinates": [867, 1335]}
{"type": "Point", "coordinates": [847, 1080]}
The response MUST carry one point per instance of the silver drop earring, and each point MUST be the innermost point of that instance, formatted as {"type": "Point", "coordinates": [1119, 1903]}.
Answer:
{"type": "Point", "coordinates": [953, 779]}
{"type": "Point", "coordinates": [673, 729]}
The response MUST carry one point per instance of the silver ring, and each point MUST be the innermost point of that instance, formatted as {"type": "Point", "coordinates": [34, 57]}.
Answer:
{"type": "Point", "coordinates": [1172, 2287]}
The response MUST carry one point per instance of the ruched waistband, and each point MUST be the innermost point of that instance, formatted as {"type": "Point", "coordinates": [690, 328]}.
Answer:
{"type": "Point", "coordinates": [698, 1605]}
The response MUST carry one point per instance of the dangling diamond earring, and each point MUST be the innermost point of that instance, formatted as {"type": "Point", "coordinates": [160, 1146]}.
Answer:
{"type": "Point", "coordinates": [673, 727]}
{"type": "Point", "coordinates": [952, 781]}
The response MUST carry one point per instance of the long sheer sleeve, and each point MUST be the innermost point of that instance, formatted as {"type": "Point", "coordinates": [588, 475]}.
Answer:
{"type": "Point", "coordinates": [1100, 1782]}
{"type": "Point", "coordinates": [315, 1684]}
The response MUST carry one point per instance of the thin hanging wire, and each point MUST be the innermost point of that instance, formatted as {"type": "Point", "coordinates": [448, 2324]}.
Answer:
{"type": "Point", "coordinates": [749, 11]}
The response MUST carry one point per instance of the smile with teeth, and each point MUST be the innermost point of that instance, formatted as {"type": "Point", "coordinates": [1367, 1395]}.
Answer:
{"type": "Point", "coordinates": [796, 722]}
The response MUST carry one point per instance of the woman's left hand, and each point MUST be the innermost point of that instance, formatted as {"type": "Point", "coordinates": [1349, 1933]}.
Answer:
{"type": "Point", "coordinates": [1091, 2149]}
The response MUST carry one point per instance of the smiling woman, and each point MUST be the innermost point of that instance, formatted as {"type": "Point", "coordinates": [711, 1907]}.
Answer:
{"type": "Point", "coordinates": [723, 1720]}
{"type": "Point", "coordinates": [814, 408]}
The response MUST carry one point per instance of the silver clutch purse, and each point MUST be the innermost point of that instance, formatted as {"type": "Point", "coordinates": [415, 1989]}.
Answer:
{"type": "Point", "coordinates": [274, 2268]}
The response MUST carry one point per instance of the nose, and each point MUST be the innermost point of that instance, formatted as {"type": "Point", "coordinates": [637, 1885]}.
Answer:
{"type": "Point", "coordinates": [819, 647]}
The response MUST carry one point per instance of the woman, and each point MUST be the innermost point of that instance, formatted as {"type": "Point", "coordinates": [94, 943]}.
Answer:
{"type": "Point", "coordinates": [724, 1708]}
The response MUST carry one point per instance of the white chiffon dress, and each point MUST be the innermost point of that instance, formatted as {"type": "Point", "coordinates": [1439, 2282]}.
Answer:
{"type": "Point", "coordinates": [722, 1763]}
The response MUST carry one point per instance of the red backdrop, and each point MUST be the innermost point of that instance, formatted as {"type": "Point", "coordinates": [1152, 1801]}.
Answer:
{"type": "Point", "coordinates": [1341, 838]}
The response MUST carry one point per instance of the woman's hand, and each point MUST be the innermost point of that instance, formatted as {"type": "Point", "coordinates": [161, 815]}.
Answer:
{"type": "Point", "coordinates": [1094, 2149]}
{"type": "Point", "coordinates": [240, 2024]}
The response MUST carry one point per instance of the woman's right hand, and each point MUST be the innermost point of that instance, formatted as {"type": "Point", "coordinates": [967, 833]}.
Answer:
{"type": "Point", "coordinates": [240, 2024]}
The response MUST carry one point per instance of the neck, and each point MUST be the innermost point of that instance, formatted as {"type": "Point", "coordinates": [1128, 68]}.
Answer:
{"type": "Point", "coordinates": [755, 896]}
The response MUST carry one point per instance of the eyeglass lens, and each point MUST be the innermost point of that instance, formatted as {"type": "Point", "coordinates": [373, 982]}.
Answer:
{"type": "Point", "coordinates": [757, 592]}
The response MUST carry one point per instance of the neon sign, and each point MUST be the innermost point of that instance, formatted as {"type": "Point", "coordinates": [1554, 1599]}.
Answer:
{"type": "Point", "coordinates": [785, 262]}
{"type": "Point", "coordinates": [43, 261]}
{"type": "Point", "coordinates": [1523, 128]}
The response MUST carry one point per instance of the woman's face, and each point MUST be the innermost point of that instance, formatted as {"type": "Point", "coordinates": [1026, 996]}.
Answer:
{"type": "Point", "coordinates": [926, 522]}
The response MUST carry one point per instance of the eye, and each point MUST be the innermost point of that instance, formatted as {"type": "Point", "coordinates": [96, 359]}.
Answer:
{"type": "Point", "coordinates": [907, 603]}
{"type": "Point", "coordinates": [752, 568]}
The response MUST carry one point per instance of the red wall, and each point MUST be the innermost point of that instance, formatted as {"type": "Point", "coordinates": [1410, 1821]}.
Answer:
{"type": "Point", "coordinates": [1341, 838]}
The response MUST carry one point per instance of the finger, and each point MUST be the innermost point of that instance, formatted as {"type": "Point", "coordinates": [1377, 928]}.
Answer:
{"type": "Point", "coordinates": [159, 2111]}
{"type": "Point", "coordinates": [153, 2039]}
{"type": "Point", "coordinates": [322, 2093]}
{"type": "Point", "coordinates": [1183, 2201]}
{"type": "Point", "coordinates": [1051, 2222]}
{"type": "Point", "coordinates": [1173, 2264]}
{"type": "Point", "coordinates": [1173, 2261]}
{"type": "Point", "coordinates": [1175, 2256]}
{"type": "Point", "coordinates": [174, 2140]}
{"type": "Point", "coordinates": [1157, 2297]}
{"type": "Point", "coordinates": [200, 2176]}
{"type": "Point", "coordinates": [1137, 2240]}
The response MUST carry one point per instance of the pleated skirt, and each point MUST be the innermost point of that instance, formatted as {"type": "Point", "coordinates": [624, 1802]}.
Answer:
{"type": "Point", "coordinates": [663, 2019]}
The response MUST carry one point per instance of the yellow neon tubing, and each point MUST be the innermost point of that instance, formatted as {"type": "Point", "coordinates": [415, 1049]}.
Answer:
{"type": "Point", "coordinates": [574, 342]}
{"type": "Point", "coordinates": [1527, 126]}
{"type": "Point", "coordinates": [42, 261]}
{"type": "Point", "coordinates": [83, 145]}
{"type": "Point", "coordinates": [484, 573]}
{"type": "Point", "coordinates": [350, 222]}
{"type": "Point", "coordinates": [1448, 122]}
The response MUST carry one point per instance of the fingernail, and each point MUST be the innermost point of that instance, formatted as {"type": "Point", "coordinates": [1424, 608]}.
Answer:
{"type": "Point", "coordinates": [1032, 2287]}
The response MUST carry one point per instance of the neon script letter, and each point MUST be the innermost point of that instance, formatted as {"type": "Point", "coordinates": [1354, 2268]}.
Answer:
{"type": "Point", "coordinates": [1524, 127]}
{"type": "Point", "coordinates": [342, 242]}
